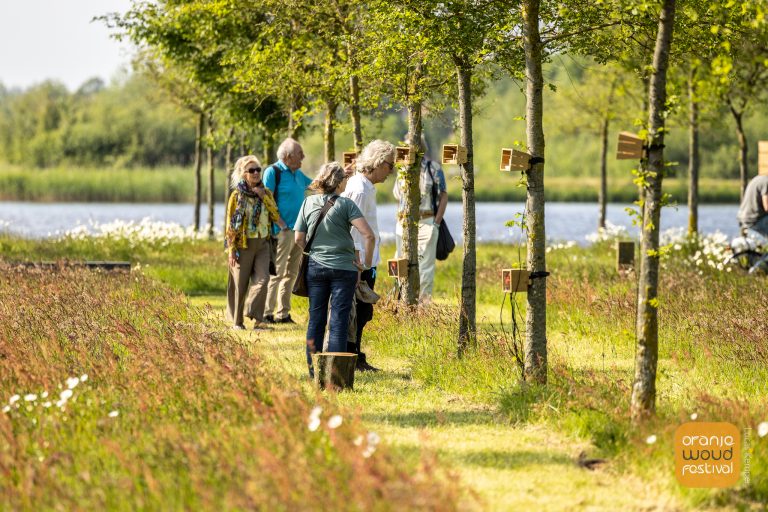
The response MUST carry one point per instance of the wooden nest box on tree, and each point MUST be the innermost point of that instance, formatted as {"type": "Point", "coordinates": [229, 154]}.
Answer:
{"type": "Point", "coordinates": [453, 154]}
{"type": "Point", "coordinates": [762, 157]}
{"type": "Point", "coordinates": [348, 157]}
{"type": "Point", "coordinates": [514, 160]}
{"type": "Point", "coordinates": [515, 280]}
{"type": "Point", "coordinates": [630, 147]}
{"type": "Point", "coordinates": [404, 155]}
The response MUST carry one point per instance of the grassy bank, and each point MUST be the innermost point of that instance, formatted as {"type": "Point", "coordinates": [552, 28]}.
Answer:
{"type": "Point", "coordinates": [176, 185]}
{"type": "Point", "coordinates": [712, 365]}
{"type": "Point", "coordinates": [118, 395]}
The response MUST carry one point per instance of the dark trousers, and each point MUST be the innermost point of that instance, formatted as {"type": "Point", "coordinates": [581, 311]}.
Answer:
{"type": "Point", "coordinates": [364, 312]}
{"type": "Point", "coordinates": [326, 284]}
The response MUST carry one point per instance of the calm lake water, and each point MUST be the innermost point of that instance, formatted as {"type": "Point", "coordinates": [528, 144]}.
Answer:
{"type": "Point", "coordinates": [564, 221]}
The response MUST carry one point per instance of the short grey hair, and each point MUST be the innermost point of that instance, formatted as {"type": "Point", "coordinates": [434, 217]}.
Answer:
{"type": "Point", "coordinates": [240, 165]}
{"type": "Point", "coordinates": [329, 177]}
{"type": "Point", "coordinates": [287, 148]}
{"type": "Point", "coordinates": [373, 155]}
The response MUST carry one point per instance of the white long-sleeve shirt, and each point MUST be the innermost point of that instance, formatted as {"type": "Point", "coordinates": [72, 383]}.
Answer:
{"type": "Point", "coordinates": [360, 190]}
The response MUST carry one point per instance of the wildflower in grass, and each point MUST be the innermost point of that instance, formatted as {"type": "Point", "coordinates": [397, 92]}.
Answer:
{"type": "Point", "coordinates": [373, 438]}
{"type": "Point", "coordinates": [334, 421]}
{"type": "Point", "coordinates": [31, 397]}
{"type": "Point", "coordinates": [762, 429]}
{"type": "Point", "coordinates": [694, 416]}
{"type": "Point", "coordinates": [113, 414]}
{"type": "Point", "coordinates": [46, 404]}
{"type": "Point", "coordinates": [369, 450]}
{"type": "Point", "coordinates": [650, 439]}
{"type": "Point", "coordinates": [84, 377]}
{"type": "Point", "coordinates": [316, 411]}
{"type": "Point", "coordinates": [314, 424]}
{"type": "Point", "coordinates": [358, 441]}
{"type": "Point", "coordinates": [14, 399]}
{"type": "Point", "coordinates": [66, 395]}
{"type": "Point", "coordinates": [44, 394]}
{"type": "Point", "coordinates": [6, 408]}
{"type": "Point", "coordinates": [72, 382]}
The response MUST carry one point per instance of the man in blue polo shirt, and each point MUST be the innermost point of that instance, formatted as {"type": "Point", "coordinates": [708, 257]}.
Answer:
{"type": "Point", "coordinates": [286, 181]}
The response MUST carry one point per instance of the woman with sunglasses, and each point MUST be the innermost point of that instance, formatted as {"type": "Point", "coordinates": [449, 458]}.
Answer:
{"type": "Point", "coordinates": [250, 213]}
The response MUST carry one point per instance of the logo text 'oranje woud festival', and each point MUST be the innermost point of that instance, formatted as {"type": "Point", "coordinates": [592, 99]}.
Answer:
{"type": "Point", "coordinates": [707, 454]}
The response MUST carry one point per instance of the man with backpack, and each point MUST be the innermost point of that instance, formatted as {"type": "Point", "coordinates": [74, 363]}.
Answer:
{"type": "Point", "coordinates": [287, 183]}
{"type": "Point", "coordinates": [434, 199]}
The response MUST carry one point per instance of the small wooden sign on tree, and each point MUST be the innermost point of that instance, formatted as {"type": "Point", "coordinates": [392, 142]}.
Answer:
{"type": "Point", "coordinates": [625, 256]}
{"type": "Point", "coordinates": [404, 155]}
{"type": "Point", "coordinates": [397, 267]}
{"type": "Point", "coordinates": [348, 157]}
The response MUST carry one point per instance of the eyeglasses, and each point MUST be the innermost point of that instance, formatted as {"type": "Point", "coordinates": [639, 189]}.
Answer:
{"type": "Point", "coordinates": [390, 164]}
{"type": "Point", "coordinates": [253, 170]}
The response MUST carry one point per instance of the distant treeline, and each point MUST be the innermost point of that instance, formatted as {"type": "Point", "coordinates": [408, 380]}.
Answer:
{"type": "Point", "coordinates": [130, 123]}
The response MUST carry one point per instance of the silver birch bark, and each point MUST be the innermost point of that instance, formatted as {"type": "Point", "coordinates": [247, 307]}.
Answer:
{"type": "Point", "coordinates": [467, 304]}
{"type": "Point", "coordinates": [603, 193]}
{"type": "Point", "coordinates": [409, 286]}
{"type": "Point", "coordinates": [329, 133]}
{"type": "Point", "coordinates": [643, 402]}
{"type": "Point", "coordinates": [354, 112]}
{"type": "Point", "coordinates": [536, 312]}
{"type": "Point", "coordinates": [198, 168]}
{"type": "Point", "coordinates": [693, 154]}
{"type": "Point", "coordinates": [211, 179]}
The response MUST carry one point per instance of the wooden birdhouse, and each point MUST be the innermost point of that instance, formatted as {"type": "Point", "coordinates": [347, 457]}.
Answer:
{"type": "Point", "coordinates": [762, 157]}
{"type": "Point", "coordinates": [630, 147]}
{"type": "Point", "coordinates": [398, 267]}
{"type": "Point", "coordinates": [625, 256]}
{"type": "Point", "coordinates": [514, 160]}
{"type": "Point", "coordinates": [453, 154]}
{"type": "Point", "coordinates": [514, 280]}
{"type": "Point", "coordinates": [404, 155]}
{"type": "Point", "coordinates": [348, 157]}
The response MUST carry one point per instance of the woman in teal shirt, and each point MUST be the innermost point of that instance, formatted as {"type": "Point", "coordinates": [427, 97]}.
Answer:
{"type": "Point", "coordinates": [334, 267]}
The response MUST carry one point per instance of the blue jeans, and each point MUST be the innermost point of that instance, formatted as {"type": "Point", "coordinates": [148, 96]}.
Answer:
{"type": "Point", "coordinates": [338, 286]}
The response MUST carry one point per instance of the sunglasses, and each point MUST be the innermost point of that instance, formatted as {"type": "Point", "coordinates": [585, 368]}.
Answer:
{"type": "Point", "coordinates": [253, 170]}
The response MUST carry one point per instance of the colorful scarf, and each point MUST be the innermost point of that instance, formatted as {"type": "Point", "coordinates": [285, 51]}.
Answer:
{"type": "Point", "coordinates": [239, 215]}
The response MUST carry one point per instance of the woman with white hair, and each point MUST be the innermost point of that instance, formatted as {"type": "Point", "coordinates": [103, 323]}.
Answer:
{"type": "Point", "coordinates": [250, 213]}
{"type": "Point", "coordinates": [324, 221]}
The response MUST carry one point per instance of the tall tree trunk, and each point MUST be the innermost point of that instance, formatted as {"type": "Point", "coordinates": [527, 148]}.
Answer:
{"type": "Point", "coordinates": [243, 147]}
{"type": "Point", "coordinates": [329, 134]}
{"type": "Point", "coordinates": [354, 111]}
{"type": "Point", "coordinates": [198, 168]}
{"type": "Point", "coordinates": [228, 164]}
{"type": "Point", "coordinates": [742, 137]}
{"type": "Point", "coordinates": [468, 300]}
{"type": "Point", "coordinates": [536, 313]}
{"type": "Point", "coordinates": [410, 285]}
{"type": "Point", "coordinates": [643, 402]}
{"type": "Point", "coordinates": [603, 194]}
{"type": "Point", "coordinates": [294, 127]}
{"type": "Point", "coordinates": [693, 154]}
{"type": "Point", "coordinates": [211, 178]}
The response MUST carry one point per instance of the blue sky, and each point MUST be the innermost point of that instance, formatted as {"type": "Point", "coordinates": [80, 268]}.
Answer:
{"type": "Point", "coordinates": [42, 39]}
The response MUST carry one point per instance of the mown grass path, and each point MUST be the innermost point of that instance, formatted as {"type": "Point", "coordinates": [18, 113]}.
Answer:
{"type": "Point", "coordinates": [506, 467]}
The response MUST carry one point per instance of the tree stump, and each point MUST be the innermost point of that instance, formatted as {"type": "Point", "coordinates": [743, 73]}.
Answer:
{"type": "Point", "coordinates": [335, 370]}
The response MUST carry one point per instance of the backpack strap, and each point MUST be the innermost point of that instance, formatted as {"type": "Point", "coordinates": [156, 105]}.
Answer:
{"type": "Point", "coordinates": [328, 205]}
{"type": "Point", "coordinates": [434, 186]}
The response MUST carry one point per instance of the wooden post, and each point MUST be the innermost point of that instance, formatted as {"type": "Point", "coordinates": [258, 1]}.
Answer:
{"type": "Point", "coordinates": [514, 160]}
{"type": "Point", "coordinates": [514, 280]}
{"type": "Point", "coordinates": [334, 370]}
{"type": "Point", "coordinates": [625, 256]}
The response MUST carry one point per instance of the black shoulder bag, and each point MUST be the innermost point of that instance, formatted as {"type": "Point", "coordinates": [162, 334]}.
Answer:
{"type": "Point", "coordinates": [300, 286]}
{"type": "Point", "coordinates": [445, 242]}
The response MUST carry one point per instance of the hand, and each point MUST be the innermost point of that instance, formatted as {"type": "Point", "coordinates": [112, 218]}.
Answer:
{"type": "Point", "coordinates": [360, 267]}
{"type": "Point", "coordinates": [232, 260]}
{"type": "Point", "coordinates": [438, 222]}
{"type": "Point", "coordinates": [358, 279]}
{"type": "Point", "coordinates": [259, 191]}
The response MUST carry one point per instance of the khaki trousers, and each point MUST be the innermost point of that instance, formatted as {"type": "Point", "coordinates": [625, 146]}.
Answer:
{"type": "Point", "coordinates": [427, 250]}
{"type": "Point", "coordinates": [252, 267]}
{"type": "Point", "coordinates": [281, 285]}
